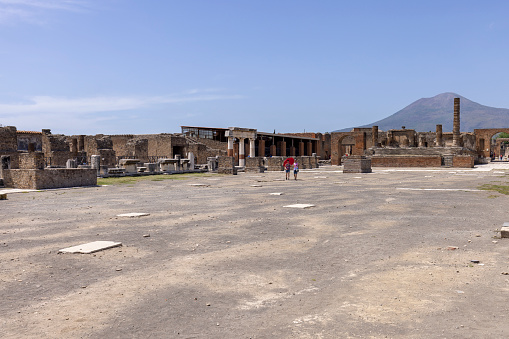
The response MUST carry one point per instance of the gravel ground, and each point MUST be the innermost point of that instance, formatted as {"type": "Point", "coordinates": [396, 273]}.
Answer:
{"type": "Point", "coordinates": [381, 255]}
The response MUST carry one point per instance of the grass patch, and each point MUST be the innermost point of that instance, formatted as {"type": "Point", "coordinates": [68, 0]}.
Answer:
{"type": "Point", "coordinates": [502, 189]}
{"type": "Point", "coordinates": [157, 177]}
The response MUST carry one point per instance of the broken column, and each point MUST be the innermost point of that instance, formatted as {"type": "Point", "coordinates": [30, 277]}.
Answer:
{"type": "Point", "coordinates": [456, 123]}
{"type": "Point", "coordinates": [439, 136]}
{"type": "Point", "coordinates": [190, 156]}
{"type": "Point", "coordinates": [95, 162]}
{"type": "Point", "coordinates": [230, 146]}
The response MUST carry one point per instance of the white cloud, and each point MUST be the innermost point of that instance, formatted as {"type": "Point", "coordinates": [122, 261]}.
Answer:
{"type": "Point", "coordinates": [48, 104]}
{"type": "Point", "coordinates": [75, 114]}
{"type": "Point", "coordinates": [32, 11]}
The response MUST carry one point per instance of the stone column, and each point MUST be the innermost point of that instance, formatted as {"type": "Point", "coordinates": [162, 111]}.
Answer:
{"type": "Point", "coordinates": [292, 151]}
{"type": "Point", "coordinates": [252, 148]}
{"type": "Point", "coordinates": [190, 156]}
{"type": "Point", "coordinates": [95, 162]}
{"type": "Point", "coordinates": [456, 123]}
{"type": "Point", "coordinates": [230, 146]}
{"type": "Point", "coordinates": [374, 135]}
{"type": "Point", "coordinates": [242, 156]}
{"type": "Point", "coordinates": [301, 148]}
{"type": "Point", "coordinates": [439, 136]}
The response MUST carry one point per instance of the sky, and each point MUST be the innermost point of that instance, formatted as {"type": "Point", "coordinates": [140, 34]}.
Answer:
{"type": "Point", "coordinates": [151, 66]}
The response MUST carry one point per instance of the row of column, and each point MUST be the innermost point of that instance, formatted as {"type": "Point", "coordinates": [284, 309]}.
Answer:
{"type": "Point", "coordinates": [261, 147]}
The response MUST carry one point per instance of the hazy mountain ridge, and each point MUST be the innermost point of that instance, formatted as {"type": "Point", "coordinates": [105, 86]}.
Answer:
{"type": "Point", "coordinates": [424, 114]}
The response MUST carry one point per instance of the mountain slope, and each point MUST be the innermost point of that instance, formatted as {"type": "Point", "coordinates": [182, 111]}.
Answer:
{"type": "Point", "coordinates": [424, 114]}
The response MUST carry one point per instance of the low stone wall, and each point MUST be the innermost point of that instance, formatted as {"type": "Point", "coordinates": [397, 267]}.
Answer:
{"type": "Point", "coordinates": [406, 161]}
{"type": "Point", "coordinates": [254, 165]}
{"type": "Point", "coordinates": [464, 161]}
{"type": "Point", "coordinates": [357, 164]}
{"type": "Point", "coordinates": [49, 178]}
{"type": "Point", "coordinates": [226, 165]}
{"type": "Point", "coordinates": [274, 163]}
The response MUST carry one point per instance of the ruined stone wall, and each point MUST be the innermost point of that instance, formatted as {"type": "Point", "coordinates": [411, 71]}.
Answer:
{"type": "Point", "coordinates": [159, 145]}
{"type": "Point", "coordinates": [254, 165]}
{"type": "Point", "coordinates": [406, 161]}
{"type": "Point", "coordinates": [213, 144]}
{"type": "Point", "coordinates": [138, 148]}
{"type": "Point", "coordinates": [274, 163]}
{"type": "Point", "coordinates": [56, 147]}
{"type": "Point", "coordinates": [32, 160]}
{"type": "Point", "coordinates": [26, 138]}
{"type": "Point", "coordinates": [108, 157]}
{"type": "Point", "coordinates": [119, 144]}
{"type": "Point", "coordinates": [9, 144]}
{"type": "Point", "coordinates": [226, 165]}
{"type": "Point", "coordinates": [49, 178]}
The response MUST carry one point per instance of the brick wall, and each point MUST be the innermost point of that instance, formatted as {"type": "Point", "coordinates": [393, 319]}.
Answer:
{"type": "Point", "coordinates": [49, 178]}
{"type": "Point", "coordinates": [406, 161]}
{"type": "Point", "coordinates": [465, 161]}
{"type": "Point", "coordinates": [357, 164]}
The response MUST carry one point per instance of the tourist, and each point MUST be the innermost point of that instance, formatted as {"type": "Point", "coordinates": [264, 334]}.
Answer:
{"type": "Point", "coordinates": [295, 169]}
{"type": "Point", "coordinates": [287, 170]}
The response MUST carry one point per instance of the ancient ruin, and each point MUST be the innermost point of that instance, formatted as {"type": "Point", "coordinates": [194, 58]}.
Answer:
{"type": "Point", "coordinates": [30, 159]}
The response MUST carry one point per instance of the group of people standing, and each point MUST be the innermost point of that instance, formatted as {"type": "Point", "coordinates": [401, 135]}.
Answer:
{"type": "Point", "coordinates": [295, 169]}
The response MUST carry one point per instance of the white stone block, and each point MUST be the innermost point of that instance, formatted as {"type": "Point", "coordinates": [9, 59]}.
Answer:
{"type": "Point", "coordinates": [91, 247]}
{"type": "Point", "coordinates": [133, 214]}
{"type": "Point", "coordinates": [300, 206]}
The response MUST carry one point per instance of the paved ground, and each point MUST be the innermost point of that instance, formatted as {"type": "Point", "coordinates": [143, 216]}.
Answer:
{"type": "Point", "coordinates": [227, 260]}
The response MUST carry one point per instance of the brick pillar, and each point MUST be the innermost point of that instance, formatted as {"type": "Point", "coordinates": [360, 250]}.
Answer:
{"type": "Point", "coordinates": [261, 148]}
{"type": "Point", "coordinates": [230, 146]}
{"type": "Point", "coordinates": [439, 136]}
{"type": "Point", "coordinates": [292, 151]}
{"type": "Point", "coordinates": [273, 150]}
{"type": "Point", "coordinates": [310, 147]}
{"type": "Point", "coordinates": [456, 123]}
{"type": "Point", "coordinates": [301, 148]}
{"type": "Point", "coordinates": [360, 143]}
{"type": "Point", "coordinates": [282, 146]}
{"type": "Point", "coordinates": [374, 135]}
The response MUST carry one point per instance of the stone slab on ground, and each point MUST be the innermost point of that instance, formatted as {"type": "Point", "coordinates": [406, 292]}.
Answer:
{"type": "Point", "coordinates": [133, 214]}
{"type": "Point", "coordinates": [91, 247]}
{"type": "Point", "coordinates": [276, 193]}
{"type": "Point", "coordinates": [256, 185]}
{"type": "Point", "coordinates": [199, 185]}
{"type": "Point", "coordinates": [3, 196]}
{"type": "Point", "coordinates": [300, 206]}
{"type": "Point", "coordinates": [504, 231]}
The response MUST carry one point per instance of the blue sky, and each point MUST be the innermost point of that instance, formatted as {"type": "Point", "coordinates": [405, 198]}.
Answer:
{"type": "Point", "coordinates": [133, 66]}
